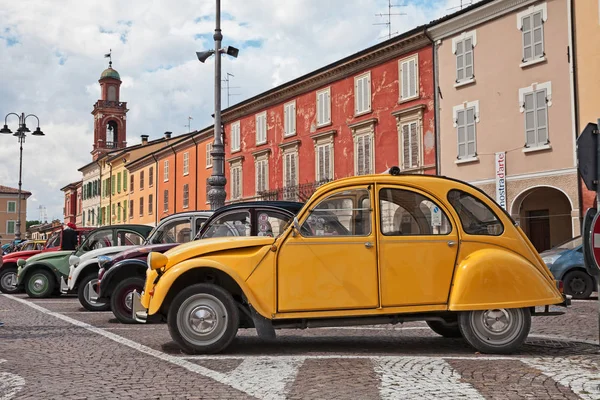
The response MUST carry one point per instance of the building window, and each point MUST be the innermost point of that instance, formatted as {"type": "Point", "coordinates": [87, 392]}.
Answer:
{"type": "Point", "coordinates": [150, 204]}
{"type": "Point", "coordinates": [166, 171]}
{"type": "Point", "coordinates": [10, 227]}
{"type": "Point", "coordinates": [531, 23]}
{"type": "Point", "coordinates": [409, 78]}
{"type": "Point", "coordinates": [113, 184]}
{"type": "Point", "coordinates": [324, 165]}
{"type": "Point", "coordinates": [150, 176]}
{"type": "Point", "coordinates": [362, 94]}
{"type": "Point", "coordinates": [290, 173]}
{"type": "Point", "coordinates": [186, 195]}
{"type": "Point", "coordinates": [130, 209]}
{"type": "Point", "coordinates": [324, 107]}
{"type": "Point", "coordinates": [535, 101]}
{"type": "Point", "coordinates": [410, 145]}
{"type": "Point", "coordinates": [209, 147]}
{"type": "Point", "coordinates": [119, 182]}
{"type": "Point", "coordinates": [166, 201]}
{"type": "Point", "coordinates": [141, 206]}
{"type": "Point", "coordinates": [462, 47]}
{"type": "Point", "coordinates": [262, 174]}
{"type": "Point", "coordinates": [12, 206]}
{"type": "Point", "coordinates": [141, 180]}
{"type": "Point", "coordinates": [114, 214]}
{"type": "Point", "coordinates": [363, 154]}
{"type": "Point", "coordinates": [124, 181]}
{"type": "Point", "coordinates": [186, 163]}
{"type": "Point", "coordinates": [235, 136]}
{"type": "Point", "coordinates": [118, 212]}
{"type": "Point", "coordinates": [289, 119]}
{"type": "Point", "coordinates": [131, 180]}
{"type": "Point", "coordinates": [261, 128]}
{"type": "Point", "coordinates": [465, 117]}
{"type": "Point", "coordinates": [236, 181]}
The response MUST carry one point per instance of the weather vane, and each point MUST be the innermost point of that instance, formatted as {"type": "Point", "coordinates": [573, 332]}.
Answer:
{"type": "Point", "coordinates": [109, 56]}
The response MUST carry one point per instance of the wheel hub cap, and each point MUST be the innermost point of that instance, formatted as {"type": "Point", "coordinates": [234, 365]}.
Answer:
{"type": "Point", "coordinates": [496, 320]}
{"type": "Point", "coordinates": [577, 285]}
{"type": "Point", "coordinates": [9, 280]}
{"type": "Point", "coordinates": [129, 301]}
{"type": "Point", "coordinates": [203, 319]}
{"type": "Point", "coordinates": [38, 284]}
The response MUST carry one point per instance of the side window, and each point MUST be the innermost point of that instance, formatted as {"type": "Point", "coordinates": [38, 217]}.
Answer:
{"type": "Point", "coordinates": [408, 213]}
{"type": "Point", "coordinates": [178, 231]}
{"type": "Point", "coordinates": [54, 241]}
{"type": "Point", "coordinates": [346, 213]}
{"type": "Point", "coordinates": [235, 223]}
{"type": "Point", "coordinates": [98, 240]}
{"type": "Point", "coordinates": [271, 223]}
{"type": "Point", "coordinates": [200, 223]}
{"type": "Point", "coordinates": [129, 239]}
{"type": "Point", "coordinates": [475, 217]}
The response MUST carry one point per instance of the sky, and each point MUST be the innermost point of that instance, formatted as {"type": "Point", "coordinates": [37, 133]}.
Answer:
{"type": "Point", "coordinates": [52, 55]}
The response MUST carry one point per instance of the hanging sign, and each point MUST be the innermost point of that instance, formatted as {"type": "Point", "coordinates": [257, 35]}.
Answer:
{"type": "Point", "coordinates": [501, 179]}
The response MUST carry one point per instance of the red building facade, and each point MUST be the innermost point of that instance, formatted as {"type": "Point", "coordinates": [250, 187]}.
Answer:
{"type": "Point", "coordinates": [360, 115]}
{"type": "Point", "coordinates": [72, 205]}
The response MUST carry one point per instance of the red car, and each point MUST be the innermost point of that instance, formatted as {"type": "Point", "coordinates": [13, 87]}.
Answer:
{"type": "Point", "coordinates": [8, 263]}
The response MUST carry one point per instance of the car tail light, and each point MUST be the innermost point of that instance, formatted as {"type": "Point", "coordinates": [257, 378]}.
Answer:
{"type": "Point", "coordinates": [560, 286]}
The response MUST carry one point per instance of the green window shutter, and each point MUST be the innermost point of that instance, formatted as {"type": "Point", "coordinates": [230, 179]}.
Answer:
{"type": "Point", "coordinates": [119, 182]}
{"type": "Point", "coordinates": [113, 183]}
{"type": "Point", "coordinates": [124, 181]}
{"type": "Point", "coordinates": [125, 210]}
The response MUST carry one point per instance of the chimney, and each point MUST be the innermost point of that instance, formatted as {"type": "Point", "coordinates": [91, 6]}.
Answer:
{"type": "Point", "coordinates": [144, 140]}
{"type": "Point", "coordinates": [168, 135]}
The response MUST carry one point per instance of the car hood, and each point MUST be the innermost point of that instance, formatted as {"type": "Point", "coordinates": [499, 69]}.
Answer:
{"type": "Point", "coordinates": [20, 254]}
{"type": "Point", "coordinates": [102, 252]}
{"type": "Point", "coordinates": [202, 247]}
{"type": "Point", "coordinates": [138, 251]}
{"type": "Point", "coordinates": [48, 256]}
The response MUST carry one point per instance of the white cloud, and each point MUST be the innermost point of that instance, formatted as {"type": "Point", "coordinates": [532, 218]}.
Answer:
{"type": "Point", "coordinates": [51, 54]}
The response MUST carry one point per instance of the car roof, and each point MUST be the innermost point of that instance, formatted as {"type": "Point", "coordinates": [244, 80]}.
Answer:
{"type": "Point", "coordinates": [292, 206]}
{"type": "Point", "coordinates": [198, 213]}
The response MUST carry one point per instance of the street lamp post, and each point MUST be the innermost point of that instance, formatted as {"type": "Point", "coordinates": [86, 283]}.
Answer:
{"type": "Point", "coordinates": [217, 180]}
{"type": "Point", "coordinates": [20, 133]}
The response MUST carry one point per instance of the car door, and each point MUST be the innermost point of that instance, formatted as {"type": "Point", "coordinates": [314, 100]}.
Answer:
{"type": "Point", "coordinates": [331, 264]}
{"type": "Point", "coordinates": [418, 246]}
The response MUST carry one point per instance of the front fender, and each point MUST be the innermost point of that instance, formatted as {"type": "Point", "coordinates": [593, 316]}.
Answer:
{"type": "Point", "coordinates": [108, 280]}
{"type": "Point", "coordinates": [161, 290]}
{"type": "Point", "coordinates": [496, 278]}
{"type": "Point", "coordinates": [75, 272]}
{"type": "Point", "coordinates": [40, 265]}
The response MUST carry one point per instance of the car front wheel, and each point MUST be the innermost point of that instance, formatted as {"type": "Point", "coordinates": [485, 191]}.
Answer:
{"type": "Point", "coordinates": [8, 280]}
{"type": "Point", "coordinates": [203, 319]}
{"type": "Point", "coordinates": [39, 284]}
{"type": "Point", "coordinates": [88, 288]}
{"type": "Point", "coordinates": [496, 331]}
{"type": "Point", "coordinates": [578, 284]}
{"type": "Point", "coordinates": [121, 299]}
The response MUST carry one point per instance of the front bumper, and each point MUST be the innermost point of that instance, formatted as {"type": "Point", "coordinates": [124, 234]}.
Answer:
{"type": "Point", "coordinates": [64, 287]}
{"type": "Point", "coordinates": [138, 311]}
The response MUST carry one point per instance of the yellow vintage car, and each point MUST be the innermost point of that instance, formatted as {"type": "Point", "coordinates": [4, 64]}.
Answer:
{"type": "Point", "coordinates": [364, 250]}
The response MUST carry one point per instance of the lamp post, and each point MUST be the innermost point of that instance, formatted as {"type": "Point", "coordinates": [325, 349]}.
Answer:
{"type": "Point", "coordinates": [217, 180]}
{"type": "Point", "coordinates": [20, 133]}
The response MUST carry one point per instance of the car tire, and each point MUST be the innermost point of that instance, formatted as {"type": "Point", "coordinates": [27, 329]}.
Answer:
{"type": "Point", "coordinates": [121, 299]}
{"type": "Point", "coordinates": [83, 294]}
{"type": "Point", "coordinates": [7, 276]}
{"type": "Point", "coordinates": [447, 329]}
{"type": "Point", "coordinates": [578, 284]}
{"type": "Point", "coordinates": [497, 331]}
{"type": "Point", "coordinates": [39, 284]}
{"type": "Point", "coordinates": [215, 314]}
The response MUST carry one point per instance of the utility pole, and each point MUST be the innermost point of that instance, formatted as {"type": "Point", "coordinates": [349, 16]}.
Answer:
{"type": "Point", "coordinates": [226, 80]}
{"type": "Point", "coordinates": [189, 124]}
{"type": "Point", "coordinates": [389, 17]}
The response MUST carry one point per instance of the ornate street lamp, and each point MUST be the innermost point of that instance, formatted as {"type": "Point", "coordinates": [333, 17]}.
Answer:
{"type": "Point", "coordinates": [217, 181]}
{"type": "Point", "coordinates": [20, 133]}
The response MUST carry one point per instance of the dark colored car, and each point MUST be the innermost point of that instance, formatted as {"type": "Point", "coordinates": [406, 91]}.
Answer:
{"type": "Point", "coordinates": [120, 275]}
{"type": "Point", "coordinates": [566, 263]}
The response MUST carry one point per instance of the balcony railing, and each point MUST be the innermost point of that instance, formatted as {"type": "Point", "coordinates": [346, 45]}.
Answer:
{"type": "Point", "coordinates": [300, 192]}
{"type": "Point", "coordinates": [113, 104]}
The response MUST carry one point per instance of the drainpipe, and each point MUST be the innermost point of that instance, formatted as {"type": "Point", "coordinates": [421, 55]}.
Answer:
{"type": "Point", "coordinates": [196, 184]}
{"type": "Point", "coordinates": [155, 190]}
{"type": "Point", "coordinates": [100, 192]}
{"type": "Point", "coordinates": [436, 113]}
{"type": "Point", "coordinates": [174, 181]}
{"type": "Point", "coordinates": [572, 54]}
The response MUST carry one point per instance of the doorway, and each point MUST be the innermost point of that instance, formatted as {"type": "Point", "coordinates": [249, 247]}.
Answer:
{"type": "Point", "coordinates": [539, 229]}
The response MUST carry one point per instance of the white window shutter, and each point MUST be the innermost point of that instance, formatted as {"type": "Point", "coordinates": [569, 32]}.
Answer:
{"type": "Point", "coordinates": [412, 78]}
{"type": "Point", "coordinates": [404, 80]}
{"type": "Point", "coordinates": [368, 91]}
{"type": "Point", "coordinates": [360, 155]}
{"type": "Point", "coordinates": [327, 162]}
{"type": "Point", "coordinates": [405, 146]}
{"type": "Point", "coordinates": [293, 118]}
{"type": "Point", "coordinates": [357, 95]}
{"type": "Point", "coordinates": [414, 145]}
{"type": "Point", "coordinates": [286, 123]}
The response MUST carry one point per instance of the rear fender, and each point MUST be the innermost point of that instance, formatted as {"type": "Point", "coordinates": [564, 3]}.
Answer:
{"type": "Point", "coordinates": [33, 267]}
{"type": "Point", "coordinates": [161, 289]}
{"type": "Point", "coordinates": [498, 278]}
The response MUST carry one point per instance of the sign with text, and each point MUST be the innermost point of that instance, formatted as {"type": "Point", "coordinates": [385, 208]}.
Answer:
{"type": "Point", "coordinates": [501, 179]}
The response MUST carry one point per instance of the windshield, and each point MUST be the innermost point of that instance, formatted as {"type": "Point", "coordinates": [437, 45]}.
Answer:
{"type": "Point", "coordinates": [177, 231]}
{"type": "Point", "coordinates": [53, 240]}
{"type": "Point", "coordinates": [570, 244]}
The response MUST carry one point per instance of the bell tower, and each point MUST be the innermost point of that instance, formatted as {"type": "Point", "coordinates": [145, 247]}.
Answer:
{"type": "Point", "coordinates": [110, 124]}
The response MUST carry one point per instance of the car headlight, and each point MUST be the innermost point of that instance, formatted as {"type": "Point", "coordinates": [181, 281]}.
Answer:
{"type": "Point", "coordinates": [156, 260]}
{"type": "Point", "coordinates": [549, 260]}
{"type": "Point", "coordinates": [73, 260]}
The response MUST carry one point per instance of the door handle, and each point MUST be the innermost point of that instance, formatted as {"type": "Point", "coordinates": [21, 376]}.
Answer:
{"type": "Point", "coordinates": [451, 243]}
{"type": "Point", "coordinates": [368, 245]}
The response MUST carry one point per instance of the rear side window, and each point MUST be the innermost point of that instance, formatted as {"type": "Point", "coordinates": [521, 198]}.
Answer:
{"type": "Point", "coordinates": [475, 217]}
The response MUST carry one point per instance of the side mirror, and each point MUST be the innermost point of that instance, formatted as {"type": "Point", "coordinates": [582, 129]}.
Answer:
{"type": "Point", "coordinates": [296, 226]}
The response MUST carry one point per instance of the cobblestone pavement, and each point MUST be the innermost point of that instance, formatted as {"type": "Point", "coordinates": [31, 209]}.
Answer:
{"type": "Point", "coordinates": [54, 349]}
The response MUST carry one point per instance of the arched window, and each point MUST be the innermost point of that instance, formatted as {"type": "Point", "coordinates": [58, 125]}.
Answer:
{"type": "Point", "coordinates": [112, 93]}
{"type": "Point", "coordinates": [111, 134]}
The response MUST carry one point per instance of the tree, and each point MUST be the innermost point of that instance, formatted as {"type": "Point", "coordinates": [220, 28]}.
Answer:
{"type": "Point", "coordinates": [30, 223]}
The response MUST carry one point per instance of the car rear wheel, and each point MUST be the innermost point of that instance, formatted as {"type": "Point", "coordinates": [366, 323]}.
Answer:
{"type": "Point", "coordinates": [203, 319]}
{"type": "Point", "coordinates": [447, 329]}
{"type": "Point", "coordinates": [39, 284]}
{"type": "Point", "coordinates": [8, 280]}
{"type": "Point", "coordinates": [88, 287]}
{"type": "Point", "coordinates": [578, 284]}
{"type": "Point", "coordinates": [497, 331]}
{"type": "Point", "coordinates": [121, 299]}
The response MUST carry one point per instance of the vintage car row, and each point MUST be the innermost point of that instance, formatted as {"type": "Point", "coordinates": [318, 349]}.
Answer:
{"type": "Point", "coordinates": [8, 266]}
{"type": "Point", "coordinates": [42, 275]}
{"type": "Point", "coordinates": [83, 270]}
{"type": "Point", "coordinates": [363, 250]}
{"type": "Point", "coordinates": [122, 274]}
